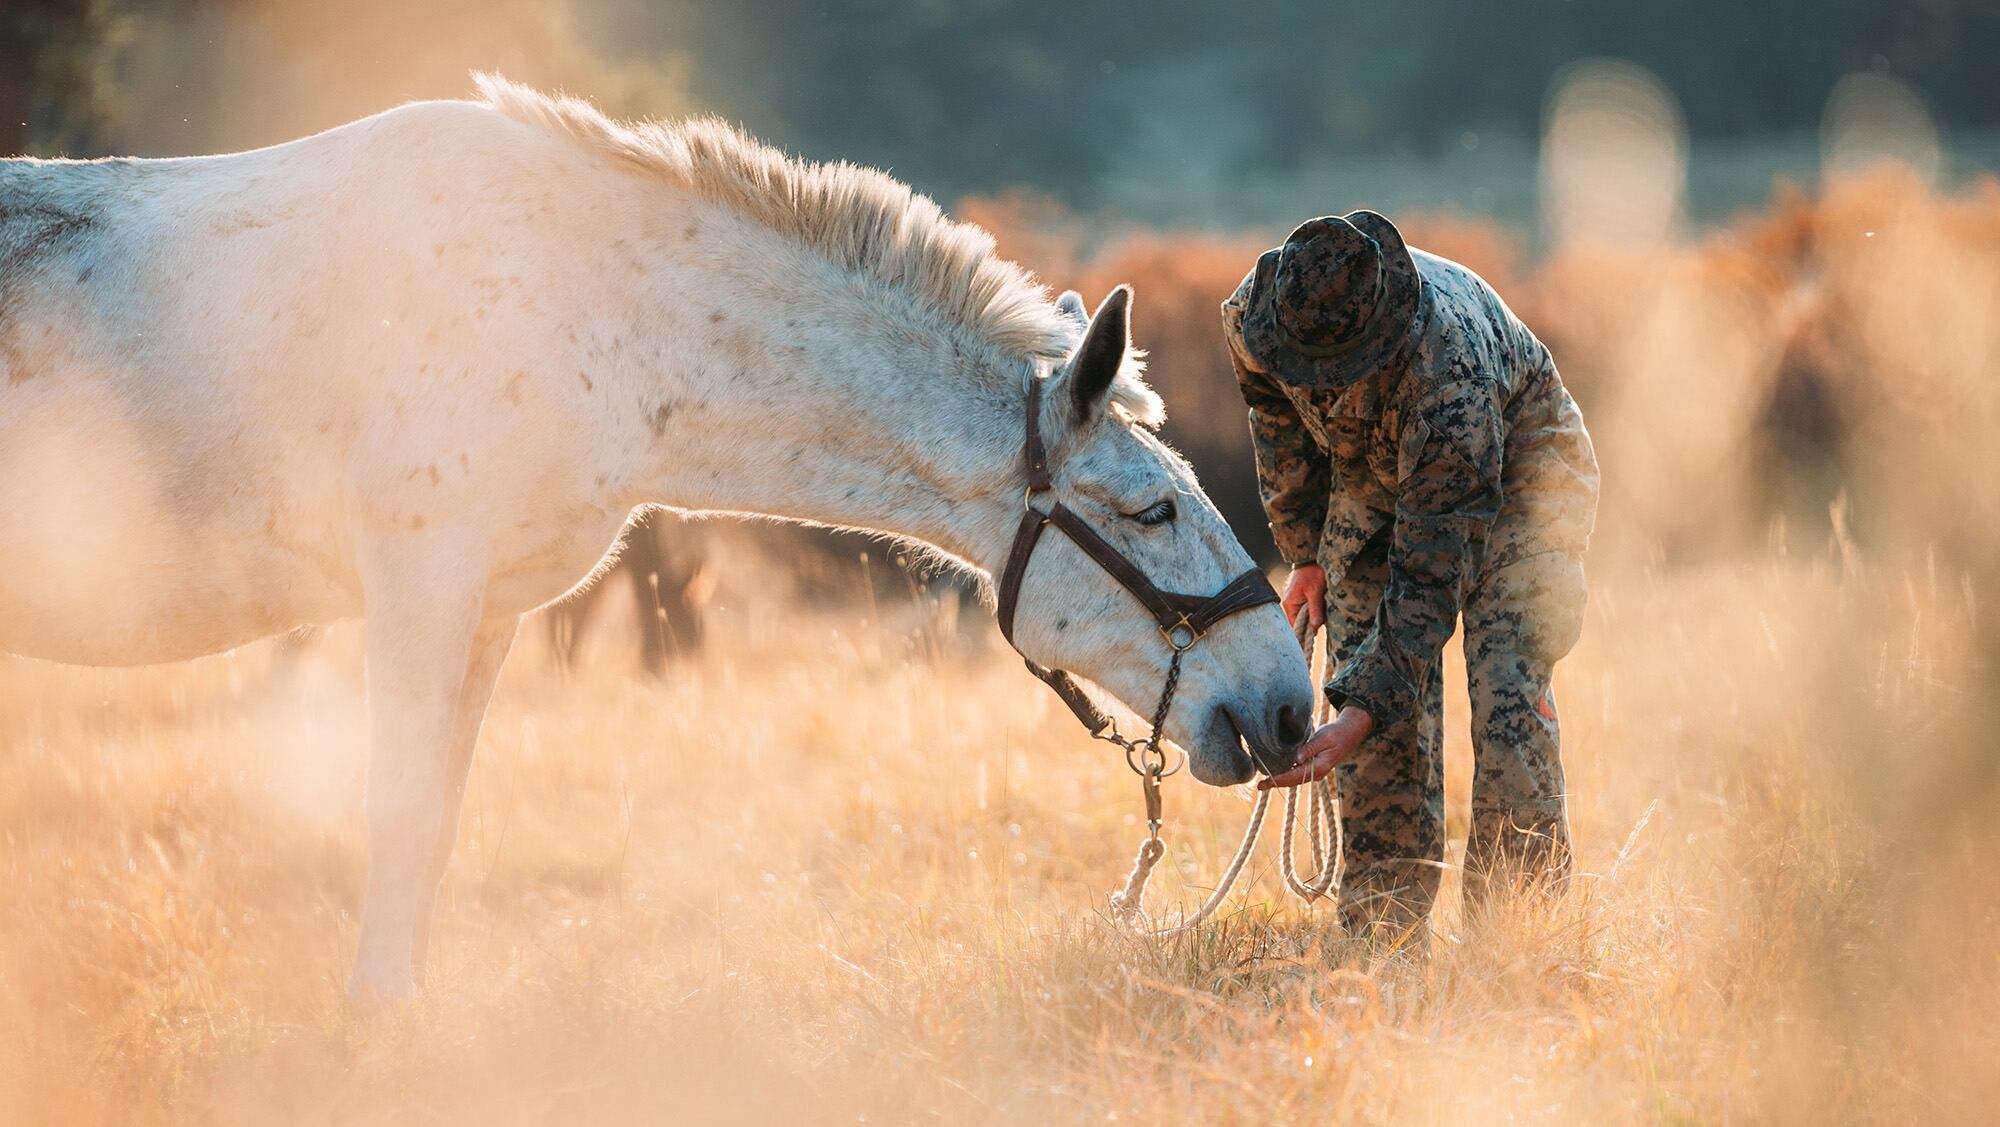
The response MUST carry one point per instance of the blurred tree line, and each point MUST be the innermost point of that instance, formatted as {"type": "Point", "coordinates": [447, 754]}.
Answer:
{"type": "Point", "coordinates": [49, 73]}
{"type": "Point", "coordinates": [967, 95]}
{"type": "Point", "coordinates": [969, 98]}
{"type": "Point", "coordinates": [964, 96]}
{"type": "Point", "coordinates": [173, 77]}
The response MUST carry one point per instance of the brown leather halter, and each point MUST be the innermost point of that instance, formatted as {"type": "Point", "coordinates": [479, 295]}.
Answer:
{"type": "Point", "coordinates": [1182, 619]}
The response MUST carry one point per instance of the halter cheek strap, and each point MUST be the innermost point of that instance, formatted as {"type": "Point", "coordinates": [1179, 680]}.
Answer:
{"type": "Point", "coordinates": [1182, 619]}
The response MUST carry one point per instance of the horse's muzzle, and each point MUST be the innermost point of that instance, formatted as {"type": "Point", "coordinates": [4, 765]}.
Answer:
{"type": "Point", "coordinates": [1273, 734]}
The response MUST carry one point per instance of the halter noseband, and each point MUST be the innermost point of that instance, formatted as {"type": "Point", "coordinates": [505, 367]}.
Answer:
{"type": "Point", "coordinates": [1182, 619]}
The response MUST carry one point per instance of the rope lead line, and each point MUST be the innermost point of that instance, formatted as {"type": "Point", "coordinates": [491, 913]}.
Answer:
{"type": "Point", "coordinates": [1322, 823]}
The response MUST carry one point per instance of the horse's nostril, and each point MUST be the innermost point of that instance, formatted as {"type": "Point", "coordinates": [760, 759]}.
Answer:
{"type": "Point", "coordinates": [1291, 725]}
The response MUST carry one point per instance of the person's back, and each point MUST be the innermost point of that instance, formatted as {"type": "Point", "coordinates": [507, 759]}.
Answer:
{"type": "Point", "coordinates": [1549, 471]}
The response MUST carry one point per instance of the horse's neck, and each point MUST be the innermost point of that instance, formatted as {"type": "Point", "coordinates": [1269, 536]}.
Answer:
{"type": "Point", "coordinates": [799, 405]}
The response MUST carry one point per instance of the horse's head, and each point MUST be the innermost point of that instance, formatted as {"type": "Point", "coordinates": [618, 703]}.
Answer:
{"type": "Point", "coordinates": [1244, 698]}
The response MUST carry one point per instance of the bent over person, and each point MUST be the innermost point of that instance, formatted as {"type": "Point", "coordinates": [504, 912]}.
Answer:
{"type": "Point", "coordinates": [1420, 461]}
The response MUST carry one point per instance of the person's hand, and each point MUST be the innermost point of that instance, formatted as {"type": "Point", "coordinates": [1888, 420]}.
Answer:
{"type": "Point", "coordinates": [1306, 588]}
{"type": "Point", "coordinates": [1334, 744]}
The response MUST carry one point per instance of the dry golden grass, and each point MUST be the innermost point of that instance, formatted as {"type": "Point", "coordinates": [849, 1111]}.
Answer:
{"type": "Point", "coordinates": [844, 867]}
{"type": "Point", "coordinates": [835, 872]}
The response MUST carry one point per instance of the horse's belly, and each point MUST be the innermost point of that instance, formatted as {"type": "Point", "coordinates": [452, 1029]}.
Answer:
{"type": "Point", "coordinates": [118, 625]}
{"type": "Point", "coordinates": [136, 530]}
{"type": "Point", "coordinates": [87, 636]}
{"type": "Point", "coordinates": [104, 590]}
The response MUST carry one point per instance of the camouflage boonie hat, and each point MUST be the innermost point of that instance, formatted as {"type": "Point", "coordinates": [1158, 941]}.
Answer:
{"type": "Point", "coordinates": [1333, 304]}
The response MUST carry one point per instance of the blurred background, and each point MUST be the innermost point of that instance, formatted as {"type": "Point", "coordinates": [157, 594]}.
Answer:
{"type": "Point", "coordinates": [1219, 116]}
{"type": "Point", "coordinates": [1731, 221]}
{"type": "Point", "coordinates": [1761, 238]}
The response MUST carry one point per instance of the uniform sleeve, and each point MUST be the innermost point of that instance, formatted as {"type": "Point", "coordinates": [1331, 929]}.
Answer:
{"type": "Point", "coordinates": [1449, 462]}
{"type": "Point", "coordinates": [1566, 473]}
{"type": "Point", "coordinates": [1293, 473]}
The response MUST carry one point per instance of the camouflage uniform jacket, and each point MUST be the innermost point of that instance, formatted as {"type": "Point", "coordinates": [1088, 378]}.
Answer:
{"type": "Point", "coordinates": [1466, 448]}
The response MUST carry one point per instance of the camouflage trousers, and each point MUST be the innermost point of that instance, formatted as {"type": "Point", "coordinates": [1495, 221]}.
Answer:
{"type": "Point", "coordinates": [1522, 618]}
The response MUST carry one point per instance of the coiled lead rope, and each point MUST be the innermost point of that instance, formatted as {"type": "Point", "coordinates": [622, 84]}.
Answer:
{"type": "Point", "coordinates": [1322, 832]}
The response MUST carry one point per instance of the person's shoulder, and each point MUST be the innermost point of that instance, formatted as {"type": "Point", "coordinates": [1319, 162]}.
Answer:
{"type": "Point", "coordinates": [1456, 287]}
{"type": "Point", "coordinates": [1469, 331]}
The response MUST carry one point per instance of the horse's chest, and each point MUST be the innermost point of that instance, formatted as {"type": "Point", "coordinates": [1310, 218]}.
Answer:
{"type": "Point", "coordinates": [539, 561]}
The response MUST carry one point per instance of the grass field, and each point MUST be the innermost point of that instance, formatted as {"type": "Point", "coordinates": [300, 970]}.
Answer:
{"type": "Point", "coordinates": [850, 863]}
{"type": "Point", "coordinates": [844, 869]}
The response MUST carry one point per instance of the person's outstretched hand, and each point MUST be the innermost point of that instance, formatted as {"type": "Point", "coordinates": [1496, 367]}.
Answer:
{"type": "Point", "coordinates": [1334, 744]}
{"type": "Point", "coordinates": [1306, 588]}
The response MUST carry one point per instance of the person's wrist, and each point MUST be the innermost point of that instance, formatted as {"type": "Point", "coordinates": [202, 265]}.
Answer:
{"type": "Point", "coordinates": [1356, 718]}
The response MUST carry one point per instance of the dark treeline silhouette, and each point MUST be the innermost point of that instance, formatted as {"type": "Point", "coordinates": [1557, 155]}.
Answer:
{"type": "Point", "coordinates": [971, 96]}
{"type": "Point", "coordinates": [1098, 109]}
{"type": "Point", "coordinates": [962, 95]}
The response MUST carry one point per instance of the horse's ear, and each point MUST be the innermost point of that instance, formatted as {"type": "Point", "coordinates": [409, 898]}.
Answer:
{"type": "Point", "coordinates": [1102, 352]}
{"type": "Point", "coordinates": [1070, 305]}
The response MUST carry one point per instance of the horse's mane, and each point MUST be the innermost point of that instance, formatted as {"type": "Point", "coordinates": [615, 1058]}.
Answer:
{"type": "Point", "coordinates": [860, 219]}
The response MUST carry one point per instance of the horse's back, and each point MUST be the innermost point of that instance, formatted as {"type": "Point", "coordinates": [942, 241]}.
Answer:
{"type": "Point", "coordinates": [184, 350]}
{"type": "Point", "coordinates": [223, 374]}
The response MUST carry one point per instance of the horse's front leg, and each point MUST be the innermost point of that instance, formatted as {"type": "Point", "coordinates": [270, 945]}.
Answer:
{"type": "Point", "coordinates": [490, 644]}
{"type": "Point", "coordinates": [424, 604]}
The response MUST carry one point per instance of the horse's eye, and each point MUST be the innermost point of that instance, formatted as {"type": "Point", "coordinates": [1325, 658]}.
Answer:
{"type": "Point", "coordinates": [1155, 514]}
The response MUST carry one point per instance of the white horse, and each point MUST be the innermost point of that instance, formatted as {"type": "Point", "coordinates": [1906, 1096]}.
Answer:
{"type": "Point", "coordinates": [420, 369]}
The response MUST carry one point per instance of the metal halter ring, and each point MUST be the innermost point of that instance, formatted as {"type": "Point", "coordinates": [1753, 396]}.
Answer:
{"type": "Point", "coordinates": [1155, 759]}
{"type": "Point", "coordinates": [1178, 631]}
